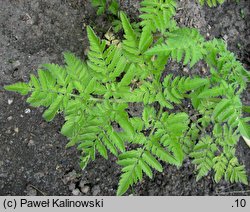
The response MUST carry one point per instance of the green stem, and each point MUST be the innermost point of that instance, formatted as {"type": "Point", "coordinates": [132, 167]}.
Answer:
{"type": "Point", "coordinates": [77, 96]}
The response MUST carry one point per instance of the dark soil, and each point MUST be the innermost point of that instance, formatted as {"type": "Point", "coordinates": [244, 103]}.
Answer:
{"type": "Point", "coordinates": [33, 158]}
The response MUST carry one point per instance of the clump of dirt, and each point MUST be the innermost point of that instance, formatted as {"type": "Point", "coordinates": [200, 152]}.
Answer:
{"type": "Point", "coordinates": [33, 158]}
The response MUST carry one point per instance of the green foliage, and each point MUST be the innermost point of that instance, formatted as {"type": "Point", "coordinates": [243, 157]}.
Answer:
{"type": "Point", "coordinates": [211, 3]}
{"type": "Point", "coordinates": [203, 154]}
{"type": "Point", "coordinates": [171, 129]}
{"type": "Point", "coordinates": [135, 163]}
{"type": "Point", "coordinates": [94, 97]}
{"type": "Point", "coordinates": [19, 87]}
{"type": "Point", "coordinates": [111, 6]}
{"type": "Point", "coordinates": [158, 15]}
{"type": "Point", "coordinates": [181, 43]}
{"type": "Point", "coordinates": [176, 88]}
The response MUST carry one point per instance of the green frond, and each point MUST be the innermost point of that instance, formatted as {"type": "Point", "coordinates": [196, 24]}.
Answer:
{"type": "Point", "coordinates": [135, 163]}
{"type": "Point", "coordinates": [213, 92]}
{"type": "Point", "coordinates": [211, 3]}
{"type": "Point", "coordinates": [103, 6]}
{"type": "Point", "coordinates": [225, 135]}
{"type": "Point", "coordinates": [96, 45]}
{"type": "Point", "coordinates": [100, 5]}
{"type": "Point", "coordinates": [157, 149]}
{"type": "Point", "coordinates": [95, 96]}
{"type": "Point", "coordinates": [128, 76]}
{"type": "Point", "coordinates": [146, 93]}
{"type": "Point", "coordinates": [236, 172]}
{"type": "Point", "coordinates": [130, 44]}
{"type": "Point", "coordinates": [174, 124]}
{"type": "Point", "coordinates": [54, 85]}
{"type": "Point", "coordinates": [176, 88]}
{"type": "Point", "coordinates": [53, 88]}
{"type": "Point", "coordinates": [228, 110]}
{"type": "Point", "coordinates": [220, 165]}
{"type": "Point", "coordinates": [92, 134]}
{"type": "Point", "coordinates": [84, 160]}
{"type": "Point", "coordinates": [163, 102]}
{"type": "Point", "coordinates": [188, 142]}
{"type": "Point", "coordinates": [123, 120]}
{"type": "Point", "coordinates": [106, 63]}
{"type": "Point", "coordinates": [20, 87]}
{"type": "Point", "coordinates": [148, 115]}
{"type": "Point", "coordinates": [137, 123]}
{"type": "Point", "coordinates": [173, 145]}
{"type": "Point", "coordinates": [244, 128]}
{"type": "Point", "coordinates": [56, 72]}
{"type": "Point", "coordinates": [114, 7]}
{"type": "Point", "coordinates": [146, 39]}
{"type": "Point", "coordinates": [170, 130]}
{"type": "Point", "coordinates": [224, 65]}
{"type": "Point", "coordinates": [157, 14]}
{"type": "Point", "coordinates": [203, 155]}
{"type": "Point", "coordinates": [116, 139]}
{"type": "Point", "coordinates": [53, 109]}
{"type": "Point", "coordinates": [96, 53]}
{"type": "Point", "coordinates": [77, 70]}
{"type": "Point", "coordinates": [183, 43]}
{"type": "Point", "coordinates": [130, 161]}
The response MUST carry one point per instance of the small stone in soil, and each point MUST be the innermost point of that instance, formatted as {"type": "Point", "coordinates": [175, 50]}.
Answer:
{"type": "Point", "coordinates": [39, 175]}
{"type": "Point", "coordinates": [185, 70]}
{"type": "Point", "coordinates": [8, 131]}
{"type": "Point", "coordinates": [27, 110]}
{"type": "Point", "coordinates": [225, 37]}
{"type": "Point", "coordinates": [31, 143]}
{"type": "Point", "coordinates": [82, 183]}
{"type": "Point", "coordinates": [76, 192]}
{"type": "Point", "coordinates": [31, 191]}
{"type": "Point", "coordinates": [9, 118]}
{"type": "Point", "coordinates": [72, 186]}
{"type": "Point", "coordinates": [16, 64]}
{"type": "Point", "coordinates": [85, 189]}
{"type": "Point", "coordinates": [71, 176]}
{"type": "Point", "coordinates": [96, 190]}
{"type": "Point", "coordinates": [10, 101]}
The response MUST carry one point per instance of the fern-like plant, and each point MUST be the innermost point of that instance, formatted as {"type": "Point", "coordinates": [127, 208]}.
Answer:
{"type": "Point", "coordinates": [111, 6]}
{"type": "Point", "coordinates": [94, 97]}
{"type": "Point", "coordinates": [211, 3]}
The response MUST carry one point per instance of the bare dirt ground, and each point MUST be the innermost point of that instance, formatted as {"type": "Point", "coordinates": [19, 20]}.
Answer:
{"type": "Point", "coordinates": [33, 158]}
